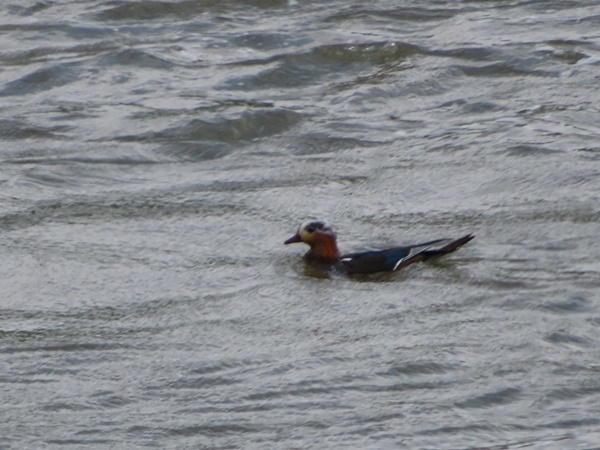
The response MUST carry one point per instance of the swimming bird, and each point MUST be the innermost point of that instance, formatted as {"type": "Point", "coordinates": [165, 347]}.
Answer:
{"type": "Point", "coordinates": [324, 251]}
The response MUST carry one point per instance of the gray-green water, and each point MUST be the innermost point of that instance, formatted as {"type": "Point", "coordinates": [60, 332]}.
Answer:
{"type": "Point", "coordinates": [154, 156]}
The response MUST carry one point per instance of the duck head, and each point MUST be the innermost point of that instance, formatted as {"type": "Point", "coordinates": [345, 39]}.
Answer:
{"type": "Point", "coordinates": [321, 239]}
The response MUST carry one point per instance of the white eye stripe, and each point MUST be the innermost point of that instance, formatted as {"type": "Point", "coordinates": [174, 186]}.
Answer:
{"type": "Point", "coordinates": [314, 225]}
{"type": "Point", "coordinates": [312, 228]}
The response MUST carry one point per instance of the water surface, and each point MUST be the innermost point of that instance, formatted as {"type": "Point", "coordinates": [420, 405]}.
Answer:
{"type": "Point", "coordinates": [155, 156]}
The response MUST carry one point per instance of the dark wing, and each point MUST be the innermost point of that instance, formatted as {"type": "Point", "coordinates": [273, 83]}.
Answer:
{"type": "Point", "coordinates": [398, 257]}
{"type": "Point", "coordinates": [382, 260]}
{"type": "Point", "coordinates": [428, 253]}
{"type": "Point", "coordinates": [373, 262]}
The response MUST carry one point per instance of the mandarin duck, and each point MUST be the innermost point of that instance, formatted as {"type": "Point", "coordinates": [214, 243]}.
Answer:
{"type": "Point", "coordinates": [324, 251]}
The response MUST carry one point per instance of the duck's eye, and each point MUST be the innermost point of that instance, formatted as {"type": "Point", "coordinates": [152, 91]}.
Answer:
{"type": "Point", "coordinates": [310, 229]}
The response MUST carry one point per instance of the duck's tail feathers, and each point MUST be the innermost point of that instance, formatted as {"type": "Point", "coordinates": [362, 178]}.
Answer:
{"type": "Point", "coordinates": [426, 253]}
{"type": "Point", "coordinates": [448, 248]}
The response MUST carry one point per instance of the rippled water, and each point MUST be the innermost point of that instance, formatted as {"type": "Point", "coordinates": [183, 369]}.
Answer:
{"type": "Point", "coordinates": [156, 154]}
